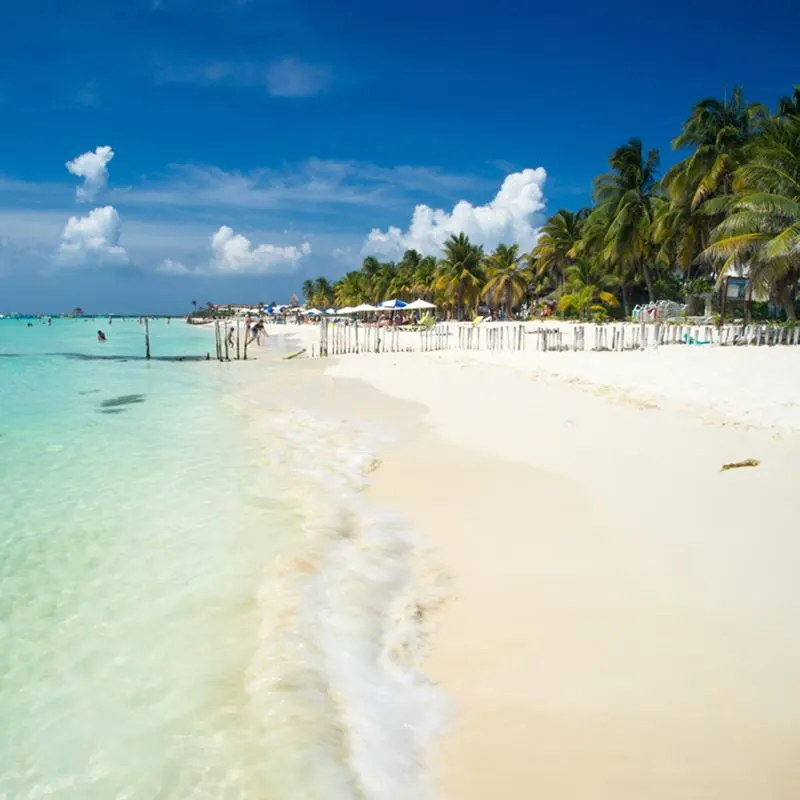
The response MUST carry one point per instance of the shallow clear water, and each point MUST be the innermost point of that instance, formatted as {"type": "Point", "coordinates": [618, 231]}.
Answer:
{"type": "Point", "coordinates": [195, 602]}
{"type": "Point", "coordinates": [131, 558]}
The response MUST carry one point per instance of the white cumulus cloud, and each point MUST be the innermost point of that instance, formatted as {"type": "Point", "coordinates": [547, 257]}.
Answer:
{"type": "Point", "coordinates": [93, 168]}
{"type": "Point", "coordinates": [236, 254]}
{"type": "Point", "coordinates": [92, 240]}
{"type": "Point", "coordinates": [511, 217]}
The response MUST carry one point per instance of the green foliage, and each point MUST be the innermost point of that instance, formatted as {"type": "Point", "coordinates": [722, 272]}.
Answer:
{"type": "Point", "coordinates": [507, 282]}
{"type": "Point", "coordinates": [460, 275]}
{"type": "Point", "coordinates": [557, 247]}
{"type": "Point", "coordinates": [428, 321]}
{"type": "Point", "coordinates": [698, 286]}
{"type": "Point", "coordinates": [626, 199]}
{"type": "Point", "coordinates": [761, 226]}
{"type": "Point", "coordinates": [668, 286]}
{"type": "Point", "coordinates": [589, 291]}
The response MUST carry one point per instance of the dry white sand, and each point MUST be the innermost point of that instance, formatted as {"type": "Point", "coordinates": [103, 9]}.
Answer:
{"type": "Point", "coordinates": [748, 385]}
{"type": "Point", "coordinates": [624, 614]}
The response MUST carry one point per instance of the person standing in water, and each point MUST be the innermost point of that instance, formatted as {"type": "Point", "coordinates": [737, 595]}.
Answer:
{"type": "Point", "coordinates": [101, 337]}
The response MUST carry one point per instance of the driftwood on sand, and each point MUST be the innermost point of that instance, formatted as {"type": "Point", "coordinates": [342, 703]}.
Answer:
{"type": "Point", "coordinates": [748, 462]}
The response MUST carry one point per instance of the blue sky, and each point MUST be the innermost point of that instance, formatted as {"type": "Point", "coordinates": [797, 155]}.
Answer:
{"type": "Point", "coordinates": [254, 143]}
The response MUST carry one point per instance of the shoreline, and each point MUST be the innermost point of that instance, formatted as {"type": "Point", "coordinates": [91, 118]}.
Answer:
{"type": "Point", "coordinates": [619, 606]}
{"type": "Point", "coordinates": [346, 610]}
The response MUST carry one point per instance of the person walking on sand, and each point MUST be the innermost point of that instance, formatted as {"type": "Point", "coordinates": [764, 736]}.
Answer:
{"type": "Point", "coordinates": [230, 336]}
{"type": "Point", "coordinates": [255, 333]}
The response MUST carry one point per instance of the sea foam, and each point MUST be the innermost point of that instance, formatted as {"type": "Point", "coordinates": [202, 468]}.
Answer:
{"type": "Point", "coordinates": [336, 676]}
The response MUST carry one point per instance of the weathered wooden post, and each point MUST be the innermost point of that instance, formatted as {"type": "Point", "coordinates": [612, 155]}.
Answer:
{"type": "Point", "coordinates": [225, 334]}
{"type": "Point", "coordinates": [246, 337]}
{"type": "Point", "coordinates": [146, 340]}
{"type": "Point", "coordinates": [238, 351]}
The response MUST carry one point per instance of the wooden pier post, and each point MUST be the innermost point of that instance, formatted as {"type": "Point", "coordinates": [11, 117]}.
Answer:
{"type": "Point", "coordinates": [238, 351]}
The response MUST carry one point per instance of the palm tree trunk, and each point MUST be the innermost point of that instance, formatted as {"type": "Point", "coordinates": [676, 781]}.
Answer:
{"type": "Point", "coordinates": [747, 300]}
{"type": "Point", "coordinates": [625, 299]}
{"type": "Point", "coordinates": [648, 279]}
{"type": "Point", "coordinates": [786, 295]}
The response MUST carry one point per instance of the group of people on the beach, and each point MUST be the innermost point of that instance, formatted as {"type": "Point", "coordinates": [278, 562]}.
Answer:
{"type": "Point", "coordinates": [254, 332]}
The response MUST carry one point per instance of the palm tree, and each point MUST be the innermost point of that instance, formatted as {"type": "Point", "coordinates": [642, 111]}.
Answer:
{"type": "Point", "coordinates": [402, 284]}
{"type": "Point", "coordinates": [349, 290]}
{"type": "Point", "coordinates": [626, 199]}
{"type": "Point", "coordinates": [589, 290]}
{"type": "Point", "coordinates": [383, 280]}
{"type": "Point", "coordinates": [556, 248]}
{"type": "Point", "coordinates": [507, 282]}
{"type": "Point", "coordinates": [681, 234]}
{"type": "Point", "coordinates": [790, 105]}
{"type": "Point", "coordinates": [322, 293]}
{"type": "Point", "coordinates": [194, 304]}
{"type": "Point", "coordinates": [460, 275]}
{"type": "Point", "coordinates": [760, 233]}
{"type": "Point", "coordinates": [718, 131]}
{"type": "Point", "coordinates": [308, 291]}
{"type": "Point", "coordinates": [424, 276]}
{"type": "Point", "coordinates": [370, 270]}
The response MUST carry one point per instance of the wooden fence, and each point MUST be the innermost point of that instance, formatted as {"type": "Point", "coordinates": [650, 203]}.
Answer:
{"type": "Point", "coordinates": [354, 337]}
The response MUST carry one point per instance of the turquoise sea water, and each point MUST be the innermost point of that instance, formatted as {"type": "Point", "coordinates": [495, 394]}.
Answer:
{"type": "Point", "coordinates": [131, 558]}
{"type": "Point", "coordinates": [196, 602]}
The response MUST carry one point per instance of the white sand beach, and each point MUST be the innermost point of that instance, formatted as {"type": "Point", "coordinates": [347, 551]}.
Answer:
{"type": "Point", "coordinates": [621, 618]}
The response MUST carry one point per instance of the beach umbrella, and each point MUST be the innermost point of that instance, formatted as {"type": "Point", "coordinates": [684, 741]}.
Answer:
{"type": "Point", "coordinates": [363, 307]}
{"type": "Point", "coordinates": [346, 310]}
{"type": "Point", "coordinates": [311, 311]}
{"type": "Point", "coordinates": [330, 310]}
{"type": "Point", "coordinates": [393, 304]}
{"type": "Point", "coordinates": [420, 305]}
